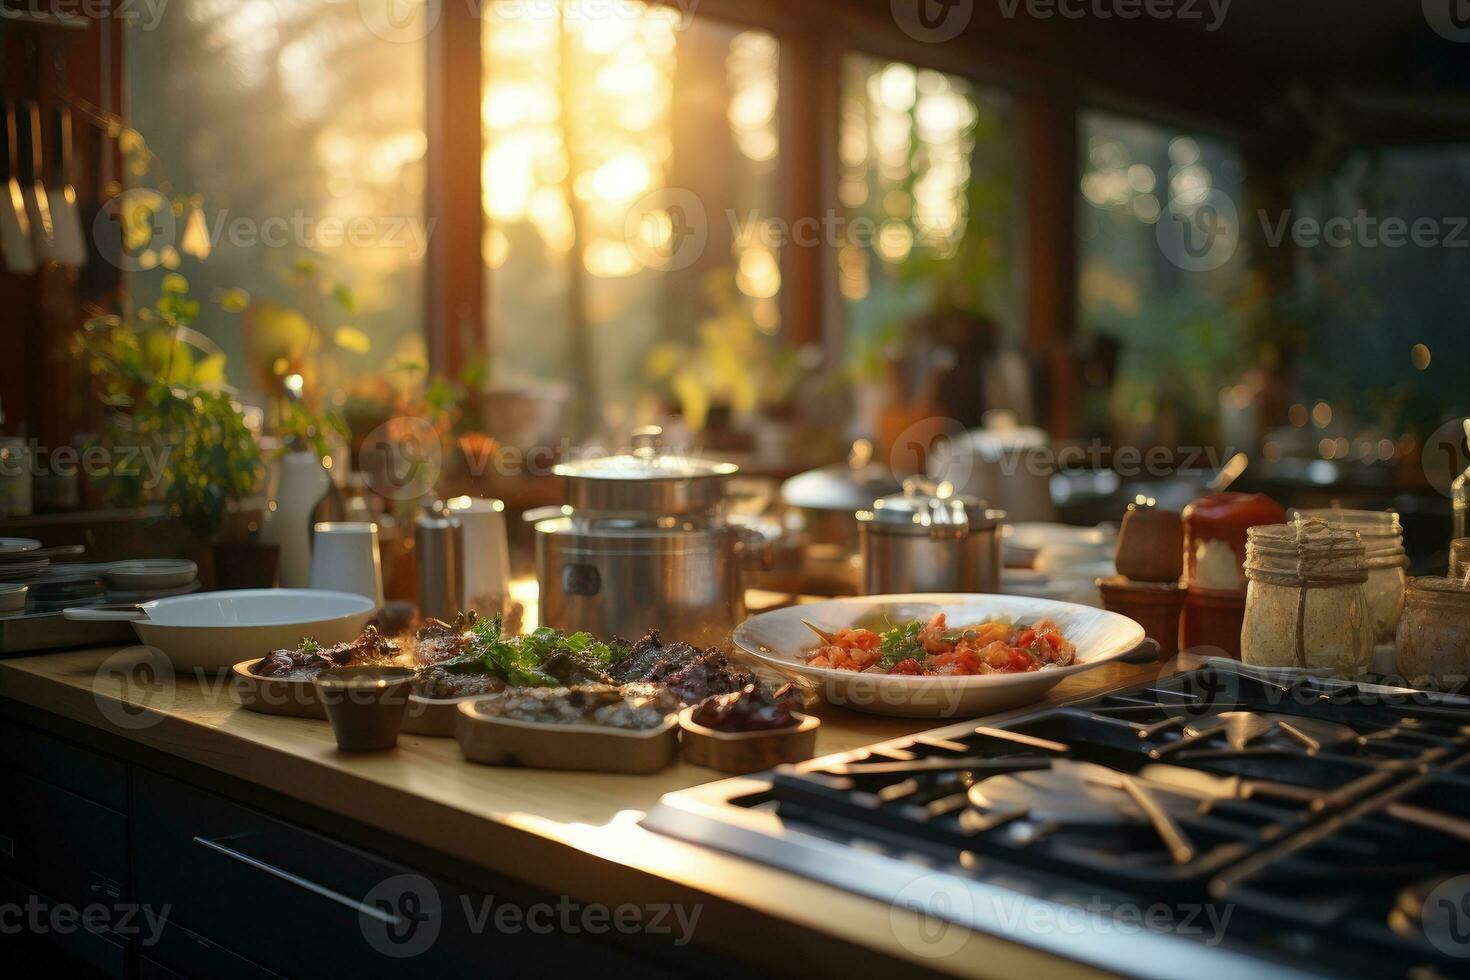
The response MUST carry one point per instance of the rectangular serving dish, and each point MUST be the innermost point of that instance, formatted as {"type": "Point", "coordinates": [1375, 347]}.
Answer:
{"type": "Point", "coordinates": [589, 748]}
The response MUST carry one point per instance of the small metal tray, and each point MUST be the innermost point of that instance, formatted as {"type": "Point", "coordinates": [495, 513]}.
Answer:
{"type": "Point", "coordinates": [42, 632]}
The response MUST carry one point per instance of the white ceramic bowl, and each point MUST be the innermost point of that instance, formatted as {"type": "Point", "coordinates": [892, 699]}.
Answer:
{"type": "Point", "coordinates": [143, 574]}
{"type": "Point", "coordinates": [16, 548]}
{"type": "Point", "coordinates": [212, 631]}
{"type": "Point", "coordinates": [779, 639]}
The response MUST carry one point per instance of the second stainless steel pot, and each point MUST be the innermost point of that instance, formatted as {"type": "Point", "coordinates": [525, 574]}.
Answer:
{"type": "Point", "coordinates": [928, 540]}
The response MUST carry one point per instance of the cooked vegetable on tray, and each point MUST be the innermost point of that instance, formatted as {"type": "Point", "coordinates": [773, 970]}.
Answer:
{"type": "Point", "coordinates": [936, 649]}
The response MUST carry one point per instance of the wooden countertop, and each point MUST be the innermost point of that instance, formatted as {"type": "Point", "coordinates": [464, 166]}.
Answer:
{"type": "Point", "coordinates": [568, 833]}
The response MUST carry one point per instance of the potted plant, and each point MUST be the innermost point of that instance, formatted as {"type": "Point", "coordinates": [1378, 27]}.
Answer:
{"type": "Point", "coordinates": [165, 386]}
{"type": "Point", "coordinates": [731, 373]}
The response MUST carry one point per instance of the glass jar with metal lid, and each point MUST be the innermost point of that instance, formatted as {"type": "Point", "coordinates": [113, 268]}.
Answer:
{"type": "Point", "coordinates": [929, 539]}
{"type": "Point", "coordinates": [1306, 602]}
{"type": "Point", "coordinates": [641, 544]}
{"type": "Point", "coordinates": [1383, 556]}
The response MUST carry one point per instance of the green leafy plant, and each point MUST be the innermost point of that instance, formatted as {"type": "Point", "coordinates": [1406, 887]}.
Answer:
{"type": "Point", "coordinates": [167, 389]}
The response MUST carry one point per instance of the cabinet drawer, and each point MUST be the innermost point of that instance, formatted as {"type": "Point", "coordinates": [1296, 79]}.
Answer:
{"type": "Point", "coordinates": [181, 953]}
{"type": "Point", "coordinates": [80, 950]}
{"type": "Point", "coordinates": [61, 843]}
{"type": "Point", "coordinates": [84, 772]}
{"type": "Point", "coordinates": [289, 899]}
{"type": "Point", "coordinates": [301, 904]}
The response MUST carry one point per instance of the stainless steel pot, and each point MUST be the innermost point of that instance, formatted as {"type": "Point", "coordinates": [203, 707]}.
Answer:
{"type": "Point", "coordinates": [643, 544]}
{"type": "Point", "coordinates": [623, 581]}
{"type": "Point", "coordinates": [927, 539]}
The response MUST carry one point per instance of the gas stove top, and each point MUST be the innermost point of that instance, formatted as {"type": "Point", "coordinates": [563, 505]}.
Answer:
{"type": "Point", "coordinates": [1217, 822]}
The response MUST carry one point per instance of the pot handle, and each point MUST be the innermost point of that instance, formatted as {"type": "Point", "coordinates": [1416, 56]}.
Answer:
{"type": "Point", "coordinates": [121, 612]}
{"type": "Point", "coordinates": [1147, 652]}
{"type": "Point", "coordinates": [538, 514]}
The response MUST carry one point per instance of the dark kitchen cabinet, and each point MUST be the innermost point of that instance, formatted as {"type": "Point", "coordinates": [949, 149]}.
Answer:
{"type": "Point", "coordinates": [238, 892]}
{"type": "Point", "coordinates": [64, 844]}
{"type": "Point", "coordinates": [303, 904]}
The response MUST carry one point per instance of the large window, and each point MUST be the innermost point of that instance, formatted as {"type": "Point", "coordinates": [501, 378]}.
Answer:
{"type": "Point", "coordinates": [630, 169]}
{"type": "Point", "coordinates": [1383, 294]}
{"type": "Point", "coordinates": [286, 141]}
{"type": "Point", "coordinates": [1162, 266]}
{"type": "Point", "coordinates": [931, 191]}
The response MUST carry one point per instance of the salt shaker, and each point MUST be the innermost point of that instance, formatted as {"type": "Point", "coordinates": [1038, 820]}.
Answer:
{"type": "Point", "coordinates": [438, 541]}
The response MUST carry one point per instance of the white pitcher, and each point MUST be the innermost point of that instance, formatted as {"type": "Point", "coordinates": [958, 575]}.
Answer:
{"type": "Point", "coordinates": [486, 561]}
{"type": "Point", "coordinates": [300, 482]}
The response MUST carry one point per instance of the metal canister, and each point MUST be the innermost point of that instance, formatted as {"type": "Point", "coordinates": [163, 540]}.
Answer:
{"type": "Point", "coordinates": [929, 539]}
{"type": "Point", "coordinates": [438, 540]}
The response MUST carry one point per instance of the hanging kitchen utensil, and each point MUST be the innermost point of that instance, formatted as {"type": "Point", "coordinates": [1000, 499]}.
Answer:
{"type": "Point", "coordinates": [69, 246]}
{"type": "Point", "coordinates": [15, 225]}
{"type": "Point", "coordinates": [33, 189]}
{"type": "Point", "coordinates": [101, 275]}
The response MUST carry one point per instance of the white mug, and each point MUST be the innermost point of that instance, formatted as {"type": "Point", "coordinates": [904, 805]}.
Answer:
{"type": "Point", "coordinates": [486, 561]}
{"type": "Point", "coordinates": [344, 558]}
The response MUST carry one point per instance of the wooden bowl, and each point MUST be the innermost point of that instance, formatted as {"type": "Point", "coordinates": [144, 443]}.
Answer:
{"type": "Point", "coordinates": [365, 705]}
{"type": "Point", "coordinates": [433, 717]}
{"type": "Point", "coordinates": [743, 752]}
{"type": "Point", "coordinates": [1155, 606]}
{"type": "Point", "coordinates": [1151, 545]}
{"type": "Point", "coordinates": [590, 748]}
{"type": "Point", "coordinates": [292, 698]}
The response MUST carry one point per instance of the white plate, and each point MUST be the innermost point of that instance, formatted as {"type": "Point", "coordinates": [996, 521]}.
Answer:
{"type": "Point", "coordinates": [146, 574]}
{"type": "Point", "coordinates": [15, 547]}
{"type": "Point", "coordinates": [21, 571]}
{"type": "Point", "coordinates": [779, 639]}
{"type": "Point", "coordinates": [212, 631]}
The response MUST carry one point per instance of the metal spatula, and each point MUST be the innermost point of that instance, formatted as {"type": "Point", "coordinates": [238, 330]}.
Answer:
{"type": "Point", "coordinates": [33, 189]}
{"type": "Point", "coordinates": [68, 245]}
{"type": "Point", "coordinates": [15, 224]}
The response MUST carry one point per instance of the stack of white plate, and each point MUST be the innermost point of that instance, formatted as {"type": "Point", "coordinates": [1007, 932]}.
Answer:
{"type": "Point", "coordinates": [19, 561]}
{"type": "Point", "coordinates": [142, 579]}
{"type": "Point", "coordinates": [59, 585]}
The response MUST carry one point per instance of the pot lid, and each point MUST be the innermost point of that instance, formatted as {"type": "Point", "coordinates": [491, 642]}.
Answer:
{"type": "Point", "coordinates": [849, 486]}
{"type": "Point", "coordinates": [647, 460]}
{"type": "Point", "coordinates": [646, 480]}
{"type": "Point", "coordinates": [930, 508]}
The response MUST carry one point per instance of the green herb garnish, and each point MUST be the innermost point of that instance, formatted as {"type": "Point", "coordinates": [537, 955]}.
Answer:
{"type": "Point", "coordinates": [899, 643]}
{"type": "Point", "coordinates": [518, 659]}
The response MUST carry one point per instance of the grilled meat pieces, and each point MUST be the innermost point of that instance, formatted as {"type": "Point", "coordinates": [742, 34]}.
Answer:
{"type": "Point", "coordinates": [690, 673]}
{"type": "Point", "coordinates": [371, 648]}
{"type": "Point", "coordinates": [439, 684]}
{"type": "Point", "coordinates": [438, 641]}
